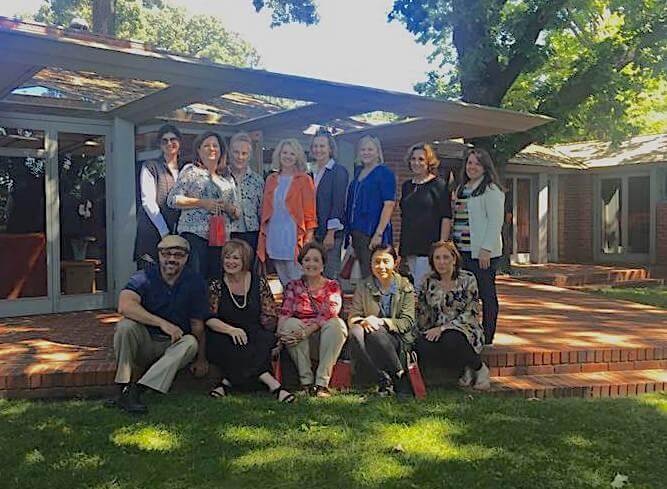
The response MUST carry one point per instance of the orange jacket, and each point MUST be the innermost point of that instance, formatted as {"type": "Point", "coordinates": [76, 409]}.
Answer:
{"type": "Point", "coordinates": [300, 203]}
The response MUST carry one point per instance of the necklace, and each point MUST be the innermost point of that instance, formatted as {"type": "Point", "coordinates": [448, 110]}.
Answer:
{"type": "Point", "coordinates": [245, 293]}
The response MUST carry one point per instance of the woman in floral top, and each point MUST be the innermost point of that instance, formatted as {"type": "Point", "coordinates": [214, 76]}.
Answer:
{"type": "Point", "coordinates": [309, 321]}
{"type": "Point", "coordinates": [448, 316]}
{"type": "Point", "coordinates": [202, 190]}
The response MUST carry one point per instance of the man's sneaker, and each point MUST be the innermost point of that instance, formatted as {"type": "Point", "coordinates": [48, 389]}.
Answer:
{"type": "Point", "coordinates": [130, 400]}
{"type": "Point", "coordinates": [386, 387]}
{"type": "Point", "coordinates": [482, 379]}
{"type": "Point", "coordinates": [466, 378]}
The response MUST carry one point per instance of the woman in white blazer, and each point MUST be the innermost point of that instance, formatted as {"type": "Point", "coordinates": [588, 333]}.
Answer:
{"type": "Point", "coordinates": [478, 212]}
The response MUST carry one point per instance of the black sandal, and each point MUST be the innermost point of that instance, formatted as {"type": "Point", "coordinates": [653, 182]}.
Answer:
{"type": "Point", "coordinates": [288, 399]}
{"type": "Point", "coordinates": [218, 391]}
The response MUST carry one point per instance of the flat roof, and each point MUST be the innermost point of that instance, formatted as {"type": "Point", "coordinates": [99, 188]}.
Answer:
{"type": "Point", "coordinates": [161, 82]}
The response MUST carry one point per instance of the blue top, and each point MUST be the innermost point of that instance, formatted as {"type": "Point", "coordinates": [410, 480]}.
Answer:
{"type": "Point", "coordinates": [366, 198]}
{"type": "Point", "coordinates": [185, 300]}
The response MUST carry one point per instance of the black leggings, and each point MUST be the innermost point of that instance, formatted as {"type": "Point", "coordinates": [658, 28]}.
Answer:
{"type": "Point", "coordinates": [241, 364]}
{"type": "Point", "coordinates": [452, 349]}
{"type": "Point", "coordinates": [379, 350]}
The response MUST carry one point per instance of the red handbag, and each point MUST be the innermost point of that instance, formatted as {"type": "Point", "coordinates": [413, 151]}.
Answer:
{"type": "Point", "coordinates": [216, 230]}
{"type": "Point", "coordinates": [341, 377]}
{"type": "Point", "coordinates": [416, 379]}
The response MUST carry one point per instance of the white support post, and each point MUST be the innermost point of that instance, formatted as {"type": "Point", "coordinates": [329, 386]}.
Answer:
{"type": "Point", "coordinates": [123, 190]}
{"type": "Point", "coordinates": [542, 251]}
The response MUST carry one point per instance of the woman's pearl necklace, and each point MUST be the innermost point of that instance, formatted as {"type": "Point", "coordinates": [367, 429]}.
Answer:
{"type": "Point", "coordinates": [245, 294]}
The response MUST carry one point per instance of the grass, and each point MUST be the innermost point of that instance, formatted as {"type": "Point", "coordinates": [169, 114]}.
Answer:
{"type": "Point", "coordinates": [653, 296]}
{"type": "Point", "coordinates": [452, 440]}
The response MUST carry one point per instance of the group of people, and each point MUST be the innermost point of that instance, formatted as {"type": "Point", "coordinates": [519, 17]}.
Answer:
{"type": "Point", "coordinates": [193, 303]}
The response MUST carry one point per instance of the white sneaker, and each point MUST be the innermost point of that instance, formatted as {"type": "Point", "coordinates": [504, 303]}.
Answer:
{"type": "Point", "coordinates": [482, 379]}
{"type": "Point", "coordinates": [466, 379]}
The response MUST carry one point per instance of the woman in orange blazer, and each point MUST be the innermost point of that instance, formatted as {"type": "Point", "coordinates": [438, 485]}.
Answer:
{"type": "Point", "coordinates": [288, 211]}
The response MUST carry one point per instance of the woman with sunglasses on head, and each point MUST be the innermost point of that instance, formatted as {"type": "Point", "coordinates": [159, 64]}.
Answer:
{"type": "Point", "coordinates": [426, 210]}
{"type": "Point", "coordinates": [155, 219]}
{"type": "Point", "coordinates": [204, 189]}
{"type": "Point", "coordinates": [370, 201]}
{"type": "Point", "coordinates": [477, 229]}
{"type": "Point", "coordinates": [448, 316]}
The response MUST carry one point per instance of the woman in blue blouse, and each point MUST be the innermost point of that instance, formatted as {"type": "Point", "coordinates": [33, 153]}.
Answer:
{"type": "Point", "coordinates": [370, 202]}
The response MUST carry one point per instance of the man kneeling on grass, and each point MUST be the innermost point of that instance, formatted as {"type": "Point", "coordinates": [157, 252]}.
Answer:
{"type": "Point", "coordinates": [162, 328]}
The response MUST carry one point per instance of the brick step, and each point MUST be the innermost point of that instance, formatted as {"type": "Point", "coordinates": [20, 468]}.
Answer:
{"type": "Point", "coordinates": [647, 282]}
{"type": "Point", "coordinates": [580, 279]}
{"type": "Point", "coordinates": [507, 363]}
{"type": "Point", "coordinates": [595, 384]}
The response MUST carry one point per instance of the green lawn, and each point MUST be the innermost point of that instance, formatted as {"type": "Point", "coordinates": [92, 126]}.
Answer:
{"type": "Point", "coordinates": [653, 296]}
{"type": "Point", "coordinates": [452, 440]}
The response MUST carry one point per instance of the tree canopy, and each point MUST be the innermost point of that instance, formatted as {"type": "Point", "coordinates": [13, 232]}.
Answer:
{"type": "Point", "coordinates": [596, 66]}
{"type": "Point", "coordinates": [162, 25]}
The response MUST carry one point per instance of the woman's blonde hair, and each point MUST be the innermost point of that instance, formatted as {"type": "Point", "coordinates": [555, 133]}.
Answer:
{"type": "Point", "coordinates": [432, 161]}
{"type": "Point", "coordinates": [239, 137]}
{"type": "Point", "coordinates": [373, 139]}
{"type": "Point", "coordinates": [298, 149]}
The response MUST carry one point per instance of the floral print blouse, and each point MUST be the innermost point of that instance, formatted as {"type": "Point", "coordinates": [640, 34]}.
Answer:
{"type": "Point", "coordinates": [316, 308]}
{"type": "Point", "coordinates": [198, 183]}
{"type": "Point", "coordinates": [457, 309]}
{"type": "Point", "coordinates": [249, 193]}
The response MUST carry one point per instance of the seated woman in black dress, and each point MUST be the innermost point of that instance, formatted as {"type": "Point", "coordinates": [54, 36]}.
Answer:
{"type": "Point", "coordinates": [241, 331]}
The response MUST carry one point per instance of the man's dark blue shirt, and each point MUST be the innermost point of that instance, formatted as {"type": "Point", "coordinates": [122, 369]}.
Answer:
{"type": "Point", "coordinates": [185, 300]}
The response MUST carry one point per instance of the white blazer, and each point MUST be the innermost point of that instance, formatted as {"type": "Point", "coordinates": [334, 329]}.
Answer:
{"type": "Point", "coordinates": [486, 213]}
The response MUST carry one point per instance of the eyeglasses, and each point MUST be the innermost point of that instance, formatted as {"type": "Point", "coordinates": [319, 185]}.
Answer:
{"type": "Point", "coordinates": [173, 254]}
{"type": "Point", "coordinates": [169, 140]}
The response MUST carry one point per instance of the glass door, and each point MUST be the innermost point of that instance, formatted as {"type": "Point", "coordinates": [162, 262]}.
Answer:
{"type": "Point", "coordinates": [518, 200]}
{"type": "Point", "coordinates": [624, 206]}
{"type": "Point", "coordinates": [53, 217]}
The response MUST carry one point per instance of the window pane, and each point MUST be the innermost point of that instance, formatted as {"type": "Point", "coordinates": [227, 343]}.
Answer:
{"type": "Point", "coordinates": [23, 271]}
{"type": "Point", "coordinates": [82, 187]}
{"type": "Point", "coordinates": [639, 214]}
{"type": "Point", "coordinates": [612, 206]}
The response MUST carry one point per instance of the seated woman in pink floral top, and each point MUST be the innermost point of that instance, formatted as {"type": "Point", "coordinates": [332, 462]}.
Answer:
{"type": "Point", "coordinates": [309, 323]}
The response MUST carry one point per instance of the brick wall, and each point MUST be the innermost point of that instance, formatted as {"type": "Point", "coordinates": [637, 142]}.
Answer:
{"type": "Point", "coordinates": [575, 218]}
{"type": "Point", "coordinates": [661, 233]}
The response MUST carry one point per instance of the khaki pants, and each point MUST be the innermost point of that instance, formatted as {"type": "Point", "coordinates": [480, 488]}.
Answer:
{"type": "Point", "coordinates": [136, 349]}
{"type": "Point", "coordinates": [325, 345]}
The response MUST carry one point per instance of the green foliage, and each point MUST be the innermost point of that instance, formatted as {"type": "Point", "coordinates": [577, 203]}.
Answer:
{"type": "Point", "coordinates": [289, 11]}
{"type": "Point", "coordinates": [652, 296]}
{"type": "Point", "coordinates": [162, 25]}
{"type": "Point", "coordinates": [452, 440]}
{"type": "Point", "coordinates": [594, 65]}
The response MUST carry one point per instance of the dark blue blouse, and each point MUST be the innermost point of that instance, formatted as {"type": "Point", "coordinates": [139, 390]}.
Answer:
{"type": "Point", "coordinates": [366, 199]}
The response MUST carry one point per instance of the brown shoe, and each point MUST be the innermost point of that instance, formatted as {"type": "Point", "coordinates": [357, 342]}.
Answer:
{"type": "Point", "coordinates": [321, 391]}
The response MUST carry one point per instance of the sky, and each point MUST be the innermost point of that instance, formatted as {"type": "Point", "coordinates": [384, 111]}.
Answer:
{"type": "Point", "coordinates": [353, 42]}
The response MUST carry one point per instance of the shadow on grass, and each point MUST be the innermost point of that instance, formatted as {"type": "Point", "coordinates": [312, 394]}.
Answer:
{"type": "Point", "coordinates": [452, 440]}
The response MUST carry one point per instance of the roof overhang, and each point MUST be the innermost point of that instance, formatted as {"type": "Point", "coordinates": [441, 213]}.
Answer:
{"type": "Point", "coordinates": [28, 47]}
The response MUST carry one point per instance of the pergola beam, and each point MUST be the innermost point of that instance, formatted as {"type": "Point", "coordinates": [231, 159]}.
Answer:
{"type": "Point", "coordinates": [162, 102]}
{"type": "Point", "coordinates": [302, 116]}
{"type": "Point", "coordinates": [130, 60]}
{"type": "Point", "coordinates": [13, 75]}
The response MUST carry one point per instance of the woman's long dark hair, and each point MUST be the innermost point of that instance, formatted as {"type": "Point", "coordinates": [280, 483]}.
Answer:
{"type": "Point", "coordinates": [490, 173]}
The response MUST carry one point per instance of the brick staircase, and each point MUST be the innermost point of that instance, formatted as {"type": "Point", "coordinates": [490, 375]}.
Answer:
{"type": "Point", "coordinates": [586, 276]}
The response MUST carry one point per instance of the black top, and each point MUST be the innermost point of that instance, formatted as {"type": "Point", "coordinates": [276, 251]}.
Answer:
{"type": "Point", "coordinates": [423, 206]}
{"type": "Point", "coordinates": [248, 318]}
{"type": "Point", "coordinates": [178, 304]}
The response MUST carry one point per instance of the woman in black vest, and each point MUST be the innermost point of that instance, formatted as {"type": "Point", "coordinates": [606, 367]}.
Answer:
{"type": "Point", "coordinates": [155, 219]}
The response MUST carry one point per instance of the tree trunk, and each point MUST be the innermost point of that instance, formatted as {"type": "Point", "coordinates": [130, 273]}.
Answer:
{"type": "Point", "coordinates": [104, 17]}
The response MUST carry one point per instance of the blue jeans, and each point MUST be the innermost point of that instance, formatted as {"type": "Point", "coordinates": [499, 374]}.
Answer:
{"type": "Point", "coordinates": [486, 283]}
